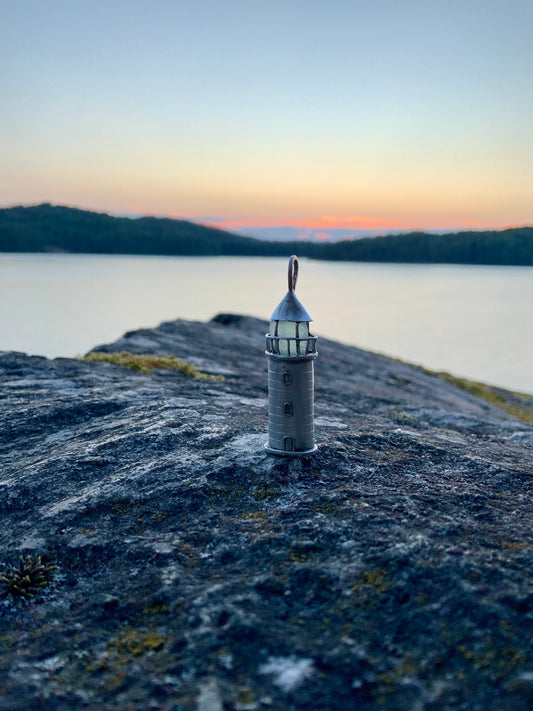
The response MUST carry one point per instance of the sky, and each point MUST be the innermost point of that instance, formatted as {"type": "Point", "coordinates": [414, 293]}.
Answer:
{"type": "Point", "coordinates": [318, 116]}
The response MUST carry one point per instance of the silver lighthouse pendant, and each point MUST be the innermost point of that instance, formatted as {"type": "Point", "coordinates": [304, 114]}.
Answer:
{"type": "Point", "coordinates": [291, 352]}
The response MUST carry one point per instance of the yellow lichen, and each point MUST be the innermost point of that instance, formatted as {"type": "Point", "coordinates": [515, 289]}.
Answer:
{"type": "Point", "coordinates": [377, 578]}
{"type": "Point", "coordinates": [122, 507]}
{"type": "Point", "coordinates": [245, 696]}
{"type": "Point", "coordinates": [113, 682]}
{"type": "Point", "coordinates": [156, 608]}
{"type": "Point", "coordinates": [515, 546]}
{"type": "Point", "coordinates": [134, 642]}
{"type": "Point", "coordinates": [499, 661]}
{"type": "Point", "coordinates": [153, 641]}
{"type": "Point", "coordinates": [147, 363]}
{"type": "Point", "coordinates": [253, 516]}
{"type": "Point", "coordinates": [326, 507]}
{"type": "Point", "coordinates": [263, 492]}
{"type": "Point", "coordinates": [467, 654]}
{"type": "Point", "coordinates": [159, 516]}
{"type": "Point", "coordinates": [407, 667]}
{"type": "Point", "coordinates": [520, 405]}
{"type": "Point", "coordinates": [297, 556]}
{"type": "Point", "coordinates": [390, 680]}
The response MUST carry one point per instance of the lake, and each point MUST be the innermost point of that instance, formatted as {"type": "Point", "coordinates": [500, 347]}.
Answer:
{"type": "Point", "coordinates": [473, 321]}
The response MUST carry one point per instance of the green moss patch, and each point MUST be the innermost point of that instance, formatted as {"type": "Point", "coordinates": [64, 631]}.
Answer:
{"type": "Point", "coordinates": [147, 363]}
{"type": "Point", "coordinates": [520, 405]}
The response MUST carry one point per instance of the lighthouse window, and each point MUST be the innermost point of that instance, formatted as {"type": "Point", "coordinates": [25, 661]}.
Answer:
{"type": "Point", "coordinates": [287, 378]}
{"type": "Point", "coordinates": [287, 409]}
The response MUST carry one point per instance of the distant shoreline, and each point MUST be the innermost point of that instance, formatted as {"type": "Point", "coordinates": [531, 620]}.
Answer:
{"type": "Point", "coordinates": [56, 229]}
{"type": "Point", "coordinates": [65, 253]}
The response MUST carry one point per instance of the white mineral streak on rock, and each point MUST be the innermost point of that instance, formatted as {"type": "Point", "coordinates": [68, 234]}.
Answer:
{"type": "Point", "coordinates": [526, 437]}
{"type": "Point", "coordinates": [208, 366]}
{"type": "Point", "coordinates": [143, 395]}
{"type": "Point", "coordinates": [64, 505]}
{"type": "Point", "coordinates": [94, 492]}
{"type": "Point", "coordinates": [114, 425]}
{"type": "Point", "coordinates": [183, 402]}
{"type": "Point", "coordinates": [288, 672]}
{"type": "Point", "coordinates": [32, 543]}
{"type": "Point", "coordinates": [407, 433]}
{"type": "Point", "coordinates": [450, 437]}
{"type": "Point", "coordinates": [248, 443]}
{"type": "Point", "coordinates": [232, 400]}
{"type": "Point", "coordinates": [330, 422]}
{"type": "Point", "coordinates": [40, 383]}
{"type": "Point", "coordinates": [169, 414]}
{"type": "Point", "coordinates": [209, 698]}
{"type": "Point", "coordinates": [51, 664]}
{"type": "Point", "coordinates": [138, 341]}
{"type": "Point", "coordinates": [82, 540]}
{"type": "Point", "coordinates": [253, 401]}
{"type": "Point", "coordinates": [526, 676]}
{"type": "Point", "coordinates": [169, 574]}
{"type": "Point", "coordinates": [165, 543]}
{"type": "Point", "coordinates": [59, 436]}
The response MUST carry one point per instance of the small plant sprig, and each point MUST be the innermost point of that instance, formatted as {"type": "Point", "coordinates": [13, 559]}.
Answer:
{"type": "Point", "coordinates": [28, 579]}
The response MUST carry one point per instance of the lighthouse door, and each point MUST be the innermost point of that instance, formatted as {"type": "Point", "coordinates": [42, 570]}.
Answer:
{"type": "Point", "coordinates": [288, 444]}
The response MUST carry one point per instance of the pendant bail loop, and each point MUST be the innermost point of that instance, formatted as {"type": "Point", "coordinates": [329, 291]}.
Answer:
{"type": "Point", "coordinates": [293, 272]}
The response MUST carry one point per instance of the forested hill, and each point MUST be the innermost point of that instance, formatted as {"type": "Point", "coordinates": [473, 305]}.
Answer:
{"type": "Point", "coordinates": [512, 247]}
{"type": "Point", "coordinates": [47, 228]}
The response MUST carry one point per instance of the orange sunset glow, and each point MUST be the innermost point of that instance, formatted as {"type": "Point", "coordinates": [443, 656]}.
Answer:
{"type": "Point", "coordinates": [404, 116]}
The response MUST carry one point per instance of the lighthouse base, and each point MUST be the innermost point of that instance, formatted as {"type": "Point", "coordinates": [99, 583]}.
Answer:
{"type": "Point", "coordinates": [289, 453]}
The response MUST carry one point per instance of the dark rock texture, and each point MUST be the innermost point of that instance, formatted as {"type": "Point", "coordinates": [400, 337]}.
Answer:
{"type": "Point", "coordinates": [391, 570]}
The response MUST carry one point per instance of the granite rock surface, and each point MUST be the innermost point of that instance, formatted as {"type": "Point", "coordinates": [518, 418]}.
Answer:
{"type": "Point", "coordinates": [194, 572]}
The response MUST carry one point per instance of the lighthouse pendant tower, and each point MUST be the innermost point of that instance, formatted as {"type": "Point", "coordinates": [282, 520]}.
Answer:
{"type": "Point", "coordinates": [291, 352]}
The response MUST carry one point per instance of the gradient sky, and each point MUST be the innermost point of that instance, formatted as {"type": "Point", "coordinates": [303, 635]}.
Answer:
{"type": "Point", "coordinates": [363, 114]}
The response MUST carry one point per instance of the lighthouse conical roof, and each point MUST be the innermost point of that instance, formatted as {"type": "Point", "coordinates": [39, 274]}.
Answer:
{"type": "Point", "coordinates": [290, 309]}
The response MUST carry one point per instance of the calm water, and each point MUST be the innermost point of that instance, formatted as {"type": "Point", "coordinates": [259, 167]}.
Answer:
{"type": "Point", "coordinates": [472, 321]}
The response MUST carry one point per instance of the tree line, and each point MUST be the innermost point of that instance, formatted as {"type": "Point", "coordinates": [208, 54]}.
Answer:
{"type": "Point", "coordinates": [48, 228]}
